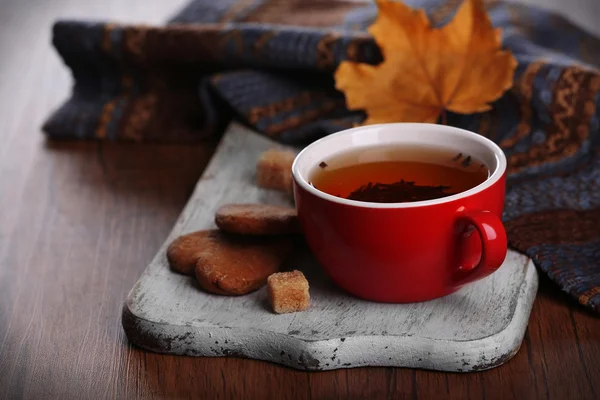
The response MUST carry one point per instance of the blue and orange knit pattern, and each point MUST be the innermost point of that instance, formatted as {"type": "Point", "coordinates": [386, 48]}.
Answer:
{"type": "Point", "coordinates": [269, 63]}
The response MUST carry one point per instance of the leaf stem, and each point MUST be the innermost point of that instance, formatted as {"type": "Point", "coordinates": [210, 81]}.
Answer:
{"type": "Point", "coordinates": [444, 120]}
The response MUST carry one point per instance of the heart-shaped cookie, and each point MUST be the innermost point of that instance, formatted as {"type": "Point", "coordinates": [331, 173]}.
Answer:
{"type": "Point", "coordinates": [229, 264]}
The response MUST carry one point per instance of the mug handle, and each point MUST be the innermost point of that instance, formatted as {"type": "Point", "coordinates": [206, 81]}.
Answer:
{"type": "Point", "coordinates": [493, 246]}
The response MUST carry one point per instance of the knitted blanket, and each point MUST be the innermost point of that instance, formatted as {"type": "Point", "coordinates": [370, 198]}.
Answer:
{"type": "Point", "coordinates": [269, 64]}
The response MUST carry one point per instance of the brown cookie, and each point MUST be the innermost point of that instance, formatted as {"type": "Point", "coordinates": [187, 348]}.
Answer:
{"type": "Point", "coordinates": [257, 219]}
{"type": "Point", "coordinates": [274, 170]}
{"type": "Point", "coordinates": [182, 253]}
{"type": "Point", "coordinates": [236, 265]}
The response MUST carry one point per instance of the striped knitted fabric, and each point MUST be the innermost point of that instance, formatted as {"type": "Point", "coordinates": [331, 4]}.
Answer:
{"type": "Point", "coordinates": [269, 63]}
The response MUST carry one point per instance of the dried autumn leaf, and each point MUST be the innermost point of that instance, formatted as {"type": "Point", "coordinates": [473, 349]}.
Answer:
{"type": "Point", "coordinates": [460, 67]}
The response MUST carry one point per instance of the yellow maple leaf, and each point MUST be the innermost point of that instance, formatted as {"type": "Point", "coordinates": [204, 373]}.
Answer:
{"type": "Point", "coordinates": [459, 67]}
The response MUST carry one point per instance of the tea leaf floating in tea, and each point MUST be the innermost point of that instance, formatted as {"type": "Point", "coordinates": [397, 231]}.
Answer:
{"type": "Point", "coordinates": [457, 157]}
{"type": "Point", "coordinates": [399, 192]}
{"type": "Point", "coordinates": [460, 67]}
{"type": "Point", "coordinates": [466, 162]}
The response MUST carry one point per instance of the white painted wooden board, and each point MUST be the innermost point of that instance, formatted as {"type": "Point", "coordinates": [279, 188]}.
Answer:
{"type": "Point", "coordinates": [479, 327]}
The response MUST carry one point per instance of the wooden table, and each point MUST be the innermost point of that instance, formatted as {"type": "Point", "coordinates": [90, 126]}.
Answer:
{"type": "Point", "coordinates": [79, 222]}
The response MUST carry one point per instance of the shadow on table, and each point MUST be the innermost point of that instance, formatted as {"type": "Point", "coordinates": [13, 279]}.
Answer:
{"type": "Point", "coordinates": [131, 168]}
{"type": "Point", "coordinates": [551, 292]}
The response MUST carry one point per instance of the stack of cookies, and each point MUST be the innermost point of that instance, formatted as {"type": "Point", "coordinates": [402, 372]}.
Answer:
{"type": "Point", "coordinates": [249, 246]}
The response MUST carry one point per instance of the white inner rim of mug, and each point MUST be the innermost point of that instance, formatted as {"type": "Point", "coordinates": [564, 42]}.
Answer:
{"type": "Point", "coordinates": [439, 136]}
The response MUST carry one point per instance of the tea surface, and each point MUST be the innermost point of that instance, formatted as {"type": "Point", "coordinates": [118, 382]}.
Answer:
{"type": "Point", "coordinates": [398, 174]}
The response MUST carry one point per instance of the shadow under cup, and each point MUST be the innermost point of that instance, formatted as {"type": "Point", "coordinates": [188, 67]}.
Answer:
{"type": "Point", "coordinates": [404, 252]}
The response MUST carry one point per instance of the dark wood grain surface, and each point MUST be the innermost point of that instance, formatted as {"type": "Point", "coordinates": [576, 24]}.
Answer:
{"type": "Point", "coordinates": [79, 222]}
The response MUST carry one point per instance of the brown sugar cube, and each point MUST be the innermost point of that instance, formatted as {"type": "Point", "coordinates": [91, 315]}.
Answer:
{"type": "Point", "coordinates": [274, 170]}
{"type": "Point", "coordinates": [288, 292]}
{"type": "Point", "coordinates": [182, 253]}
{"type": "Point", "coordinates": [257, 219]}
{"type": "Point", "coordinates": [236, 265]}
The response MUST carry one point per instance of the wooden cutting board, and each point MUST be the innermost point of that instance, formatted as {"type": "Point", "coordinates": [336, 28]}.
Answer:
{"type": "Point", "coordinates": [479, 327]}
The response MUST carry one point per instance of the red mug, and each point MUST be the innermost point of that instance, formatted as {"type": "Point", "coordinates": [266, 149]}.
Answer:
{"type": "Point", "coordinates": [404, 252]}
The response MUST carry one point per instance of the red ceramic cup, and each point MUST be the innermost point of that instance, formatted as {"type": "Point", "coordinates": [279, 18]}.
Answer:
{"type": "Point", "coordinates": [404, 252]}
